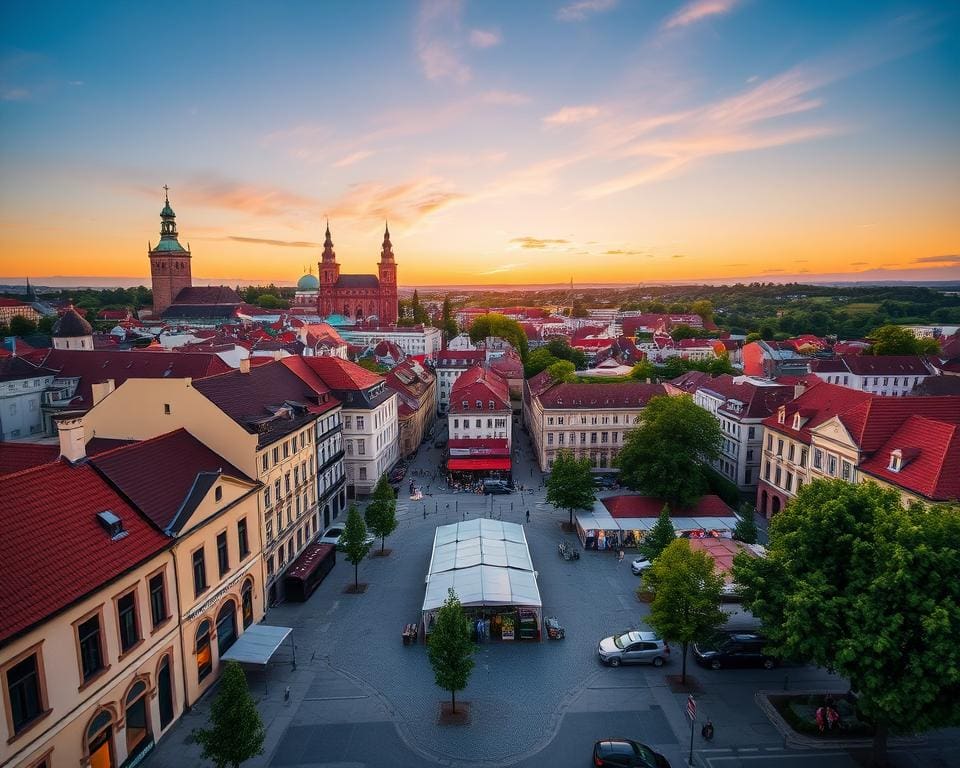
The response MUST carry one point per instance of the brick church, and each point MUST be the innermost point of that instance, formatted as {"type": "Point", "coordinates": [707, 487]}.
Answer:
{"type": "Point", "coordinates": [358, 298]}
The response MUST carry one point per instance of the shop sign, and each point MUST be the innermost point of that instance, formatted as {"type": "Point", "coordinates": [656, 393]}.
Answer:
{"type": "Point", "coordinates": [215, 597]}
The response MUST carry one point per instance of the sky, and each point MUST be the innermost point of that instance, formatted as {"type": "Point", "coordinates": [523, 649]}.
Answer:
{"type": "Point", "coordinates": [594, 140]}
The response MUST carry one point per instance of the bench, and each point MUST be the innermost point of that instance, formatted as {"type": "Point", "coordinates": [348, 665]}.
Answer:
{"type": "Point", "coordinates": [409, 634]}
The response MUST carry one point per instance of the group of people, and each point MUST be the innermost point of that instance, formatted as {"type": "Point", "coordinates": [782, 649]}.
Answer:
{"type": "Point", "coordinates": [827, 715]}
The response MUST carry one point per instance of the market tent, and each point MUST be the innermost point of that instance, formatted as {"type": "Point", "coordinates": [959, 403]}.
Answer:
{"type": "Point", "coordinates": [478, 464]}
{"type": "Point", "coordinates": [257, 645]}
{"type": "Point", "coordinates": [483, 585]}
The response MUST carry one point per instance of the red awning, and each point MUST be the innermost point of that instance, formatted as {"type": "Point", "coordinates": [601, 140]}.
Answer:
{"type": "Point", "coordinates": [483, 463]}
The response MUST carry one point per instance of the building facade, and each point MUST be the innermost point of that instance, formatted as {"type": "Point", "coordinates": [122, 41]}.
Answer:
{"type": "Point", "coordinates": [414, 340]}
{"type": "Point", "coordinates": [415, 386]}
{"type": "Point", "coordinates": [890, 375]}
{"type": "Point", "coordinates": [22, 387]}
{"type": "Point", "coordinates": [170, 268]}
{"type": "Point", "coordinates": [358, 297]}
{"type": "Point", "coordinates": [480, 407]}
{"type": "Point", "coordinates": [449, 365]}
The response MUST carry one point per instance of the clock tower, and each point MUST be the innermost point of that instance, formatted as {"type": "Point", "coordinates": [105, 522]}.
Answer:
{"type": "Point", "coordinates": [169, 261]}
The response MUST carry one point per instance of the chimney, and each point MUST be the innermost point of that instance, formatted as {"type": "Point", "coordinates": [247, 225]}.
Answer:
{"type": "Point", "coordinates": [100, 389]}
{"type": "Point", "coordinates": [799, 388]}
{"type": "Point", "coordinates": [72, 442]}
{"type": "Point", "coordinates": [245, 365]}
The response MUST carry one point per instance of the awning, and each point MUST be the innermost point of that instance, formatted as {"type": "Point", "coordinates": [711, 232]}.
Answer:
{"type": "Point", "coordinates": [478, 463]}
{"type": "Point", "coordinates": [257, 644]}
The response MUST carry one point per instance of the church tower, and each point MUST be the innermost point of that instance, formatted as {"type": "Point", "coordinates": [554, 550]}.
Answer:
{"type": "Point", "coordinates": [169, 261]}
{"type": "Point", "coordinates": [329, 274]}
{"type": "Point", "coordinates": [387, 271]}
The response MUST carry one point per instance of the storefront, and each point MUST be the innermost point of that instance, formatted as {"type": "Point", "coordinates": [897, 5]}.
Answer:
{"type": "Point", "coordinates": [487, 564]}
{"type": "Point", "coordinates": [470, 462]}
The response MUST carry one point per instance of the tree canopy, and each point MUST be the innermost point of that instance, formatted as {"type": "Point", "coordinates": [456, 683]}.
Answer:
{"type": "Point", "coordinates": [659, 537]}
{"type": "Point", "coordinates": [686, 599]}
{"type": "Point", "coordinates": [354, 542]}
{"type": "Point", "coordinates": [236, 731]}
{"type": "Point", "coordinates": [895, 340]}
{"type": "Point", "coordinates": [746, 528]}
{"type": "Point", "coordinates": [562, 370]}
{"type": "Point", "coordinates": [381, 512]}
{"type": "Point", "coordinates": [450, 648]}
{"type": "Point", "coordinates": [570, 484]}
{"type": "Point", "coordinates": [494, 324]}
{"type": "Point", "coordinates": [663, 455]}
{"type": "Point", "coordinates": [856, 583]}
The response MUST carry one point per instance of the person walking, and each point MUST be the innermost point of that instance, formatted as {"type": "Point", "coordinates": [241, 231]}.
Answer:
{"type": "Point", "coordinates": [620, 555]}
{"type": "Point", "coordinates": [528, 515]}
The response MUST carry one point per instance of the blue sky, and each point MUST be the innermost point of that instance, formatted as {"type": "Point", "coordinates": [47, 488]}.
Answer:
{"type": "Point", "coordinates": [517, 142]}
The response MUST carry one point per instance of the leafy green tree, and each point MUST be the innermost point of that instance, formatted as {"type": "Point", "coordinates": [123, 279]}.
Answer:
{"type": "Point", "coordinates": [579, 309]}
{"type": "Point", "coordinates": [664, 455]}
{"type": "Point", "coordinates": [677, 308]}
{"type": "Point", "coordinates": [767, 332]}
{"type": "Point", "coordinates": [538, 360]}
{"type": "Point", "coordinates": [354, 541]}
{"type": "Point", "coordinates": [381, 513]}
{"type": "Point", "coordinates": [270, 301]}
{"type": "Point", "coordinates": [746, 528]}
{"type": "Point", "coordinates": [660, 536]}
{"type": "Point", "coordinates": [4, 330]}
{"type": "Point", "coordinates": [681, 331]}
{"type": "Point", "coordinates": [494, 324]}
{"type": "Point", "coordinates": [562, 370]}
{"type": "Point", "coordinates": [895, 340]}
{"type": "Point", "coordinates": [561, 349]}
{"type": "Point", "coordinates": [720, 365]}
{"type": "Point", "coordinates": [751, 337]}
{"type": "Point", "coordinates": [447, 324]}
{"type": "Point", "coordinates": [674, 366]}
{"type": "Point", "coordinates": [570, 484]}
{"type": "Point", "coordinates": [686, 600]}
{"type": "Point", "coordinates": [22, 326]}
{"type": "Point", "coordinates": [450, 648]}
{"type": "Point", "coordinates": [855, 583]}
{"type": "Point", "coordinates": [45, 325]}
{"type": "Point", "coordinates": [371, 364]}
{"type": "Point", "coordinates": [657, 307]}
{"type": "Point", "coordinates": [704, 308]}
{"type": "Point", "coordinates": [236, 732]}
{"type": "Point", "coordinates": [420, 316]}
{"type": "Point", "coordinates": [644, 370]}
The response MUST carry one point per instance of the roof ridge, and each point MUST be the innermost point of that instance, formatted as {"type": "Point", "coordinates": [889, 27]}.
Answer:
{"type": "Point", "coordinates": [136, 443]}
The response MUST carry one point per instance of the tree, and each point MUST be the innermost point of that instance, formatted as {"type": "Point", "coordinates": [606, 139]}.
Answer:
{"type": "Point", "coordinates": [494, 324]}
{"type": "Point", "coordinates": [746, 528]}
{"type": "Point", "coordinates": [381, 513]}
{"type": "Point", "coordinates": [447, 324]}
{"type": "Point", "coordinates": [664, 454]}
{"type": "Point", "coordinates": [562, 370]}
{"type": "Point", "coordinates": [538, 360]}
{"type": "Point", "coordinates": [354, 541]}
{"type": "Point", "coordinates": [855, 583]}
{"type": "Point", "coordinates": [681, 331]}
{"type": "Point", "coordinates": [236, 731]}
{"type": "Point", "coordinates": [896, 340]}
{"type": "Point", "coordinates": [578, 309]}
{"type": "Point", "coordinates": [686, 596]}
{"type": "Point", "coordinates": [420, 316]}
{"type": "Point", "coordinates": [720, 364]}
{"type": "Point", "coordinates": [22, 326]}
{"type": "Point", "coordinates": [269, 301]}
{"type": "Point", "coordinates": [660, 536]}
{"type": "Point", "coordinates": [561, 349]}
{"type": "Point", "coordinates": [766, 332]}
{"type": "Point", "coordinates": [755, 336]}
{"type": "Point", "coordinates": [643, 370]}
{"type": "Point", "coordinates": [704, 308]}
{"type": "Point", "coordinates": [570, 485]}
{"type": "Point", "coordinates": [450, 649]}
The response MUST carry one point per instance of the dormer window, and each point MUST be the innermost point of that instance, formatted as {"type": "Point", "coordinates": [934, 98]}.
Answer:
{"type": "Point", "coordinates": [465, 404]}
{"type": "Point", "coordinates": [479, 403]}
{"type": "Point", "coordinates": [896, 460]}
{"type": "Point", "coordinates": [490, 404]}
{"type": "Point", "coordinates": [782, 415]}
{"type": "Point", "coordinates": [796, 421]}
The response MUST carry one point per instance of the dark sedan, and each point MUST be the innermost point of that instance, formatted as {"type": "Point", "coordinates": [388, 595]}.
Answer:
{"type": "Point", "coordinates": [743, 649]}
{"type": "Point", "coordinates": [624, 752]}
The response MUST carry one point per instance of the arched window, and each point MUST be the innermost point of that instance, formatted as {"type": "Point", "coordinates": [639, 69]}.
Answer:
{"type": "Point", "coordinates": [246, 602]}
{"type": "Point", "coordinates": [100, 741]}
{"type": "Point", "coordinates": [204, 660]}
{"type": "Point", "coordinates": [226, 627]}
{"type": "Point", "coordinates": [776, 505]}
{"type": "Point", "coordinates": [136, 720]}
{"type": "Point", "coordinates": [165, 692]}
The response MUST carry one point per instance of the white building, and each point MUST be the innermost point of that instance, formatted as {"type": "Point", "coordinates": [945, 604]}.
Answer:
{"type": "Point", "coordinates": [893, 375]}
{"type": "Point", "coordinates": [21, 395]}
{"type": "Point", "coordinates": [480, 407]}
{"type": "Point", "coordinates": [414, 340]}
{"type": "Point", "coordinates": [450, 364]}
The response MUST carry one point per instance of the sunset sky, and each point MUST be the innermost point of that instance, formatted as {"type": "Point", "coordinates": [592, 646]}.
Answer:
{"type": "Point", "coordinates": [603, 140]}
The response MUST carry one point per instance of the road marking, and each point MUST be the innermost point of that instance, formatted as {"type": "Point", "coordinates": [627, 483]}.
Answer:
{"type": "Point", "coordinates": [805, 757]}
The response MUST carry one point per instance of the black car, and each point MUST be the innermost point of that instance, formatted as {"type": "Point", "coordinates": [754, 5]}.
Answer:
{"type": "Point", "coordinates": [624, 752]}
{"type": "Point", "coordinates": [741, 649]}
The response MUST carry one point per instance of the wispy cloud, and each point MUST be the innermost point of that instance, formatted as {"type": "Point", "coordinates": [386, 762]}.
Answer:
{"type": "Point", "coordinates": [504, 268]}
{"type": "Point", "coordinates": [569, 115]}
{"type": "Point", "coordinates": [264, 241]}
{"type": "Point", "coordinates": [437, 36]}
{"type": "Point", "coordinates": [537, 242]}
{"type": "Point", "coordinates": [697, 11]}
{"type": "Point", "coordinates": [583, 9]}
{"type": "Point", "coordinates": [679, 256]}
{"type": "Point", "coordinates": [214, 191]}
{"type": "Point", "coordinates": [950, 258]}
{"type": "Point", "coordinates": [485, 38]}
{"type": "Point", "coordinates": [404, 203]}
{"type": "Point", "coordinates": [14, 94]}
{"type": "Point", "coordinates": [621, 252]}
{"type": "Point", "coordinates": [858, 263]}
{"type": "Point", "coordinates": [511, 98]}
{"type": "Point", "coordinates": [352, 158]}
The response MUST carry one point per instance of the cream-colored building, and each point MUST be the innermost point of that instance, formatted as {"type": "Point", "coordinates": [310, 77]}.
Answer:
{"type": "Point", "coordinates": [590, 420]}
{"type": "Point", "coordinates": [416, 387]}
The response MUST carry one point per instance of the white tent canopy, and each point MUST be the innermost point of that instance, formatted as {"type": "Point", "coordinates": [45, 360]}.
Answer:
{"type": "Point", "coordinates": [257, 644]}
{"type": "Point", "coordinates": [483, 585]}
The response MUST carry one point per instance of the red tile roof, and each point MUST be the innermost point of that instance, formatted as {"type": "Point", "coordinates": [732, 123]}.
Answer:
{"type": "Point", "coordinates": [176, 463]}
{"type": "Point", "coordinates": [823, 401]}
{"type": "Point", "coordinates": [15, 457]}
{"type": "Point", "coordinates": [626, 394]}
{"type": "Point", "coordinates": [886, 365]}
{"type": "Point", "coordinates": [340, 374]}
{"type": "Point", "coordinates": [214, 294]}
{"type": "Point", "coordinates": [629, 505]}
{"type": "Point", "coordinates": [453, 358]}
{"type": "Point", "coordinates": [54, 551]}
{"type": "Point", "coordinates": [120, 365]}
{"type": "Point", "coordinates": [871, 422]}
{"type": "Point", "coordinates": [12, 303]}
{"type": "Point", "coordinates": [931, 458]}
{"type": "Point", "coordinates": [478, 383]}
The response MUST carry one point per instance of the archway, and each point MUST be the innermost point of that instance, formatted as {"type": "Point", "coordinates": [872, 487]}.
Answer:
{"type": "Point", "coordinates": [246, 602]}
{"type": "Point", "coordinates": [137, 720]}
{"type": "Point", "coordinates": [226, 627]}
{"type": "Point", "coordinates": [165, 692]}
{"type": "Point", "coordinates": [100, 753]}
{"type": "Point", "coordinates": [776, 506]}
{"type": "Point", "coordinates": [202, 647]}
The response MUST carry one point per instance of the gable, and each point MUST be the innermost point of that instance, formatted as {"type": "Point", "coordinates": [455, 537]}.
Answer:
{"type": "Point", "coordinates": [201, 503]}
{"type": "Point", "coordinates": [834, 431]}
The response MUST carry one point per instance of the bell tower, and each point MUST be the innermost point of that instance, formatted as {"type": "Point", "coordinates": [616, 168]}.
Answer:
{"type": "Point", "coordinates": [329, 274]}
{"type": "Point", "coordinates": [387, 272]}
{"type": "Point", "coordinates": [170, 270]}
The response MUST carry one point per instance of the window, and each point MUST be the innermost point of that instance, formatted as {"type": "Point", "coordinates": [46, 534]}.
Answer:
{"type": "Point", "coordinates": [478, 423]}
{"type": "Point", "coordinates": [276, 454]}
{"type": "Point", "coordinates": [202, 648]}
{"type": "Point", "coordinates": [359, 422]}
{"type": "Point", "coordinates": [266, 461]}
{"type": "Point", "coordinates": [166, 409]}
{"type": "Point", "coordinates": [270, 566]}
{"type": "Point", "coordinates": [751, 433]}
{"type": "Point", "coordinates": [791, 452]}
{"type": "Point", "coordinates": [776, 477]}
{"type": "Point", "coordinates": [127, 617]}
{"type": "Point", "coordinates": [223, 556]}
{"type": "Point", "coordinates": [276, 489]}
{"type": "Point", "coordinates": [348, 422]}
{"type": "Point", "coordinates": [769, 442]}
{"type": "Point", "coordinates": [361, 447]}
{"type": "Point", "coordinates": [158, 600]}
{"type": "Point", "coordinates": [91, 648]}
{"type": "Point", "coordinates": [489, 423]}
{"type": "Point", "coordinates": [136, 724]}
{"type": "Point", "coordinates": [100, 740]}
{"type": "Point", "coordinates": [456, 423]}
{"type": "Point", "coordinates": [779, 447]}
{"type": "Point", "coordinates": [165, 693]}
{"type": "Point", "coordinates": [817, 458]}
{"type": "Point", "coordinates": [25, 691]}
{"type": "Point", "coordinates": [286, 483]}
{"type": "Point", "coordinates": [593, 438]}
{"type": "Point", "coordinates": [246, 603]}
{"type": "Point", "coordinates": [266, 498]}
{"type": "Point", "coordinates": [226, 627]}
{"type": "Point", "coordinates": [286, 449]}
{"type": "Point", "coordinates": [749, 454]}
{"type": "Point", "coordinates": [242, 542]}
{"type": "Point", "coordinates": [218, 493]}
{"type": "Point", "coordinates": [846, 471]}
{"type": "Point", "coordinates": [363, 473]}
{"type": "Point", "coordinates": [803, 457]}
{"type": "Point", "coordinates": [833, 466]}
{"type": "Point", "coordinates": [549, 438]}
{"type": "Point", "coordinates": [199, 573]}
{"type": "Point", "coordinates": [766, 470]}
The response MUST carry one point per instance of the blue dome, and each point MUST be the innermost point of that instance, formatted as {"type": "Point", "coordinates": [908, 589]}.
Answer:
{"type": "Point", "coordinates": [338, 320]}
{"type": "Point", "coordinates": [308, 283]}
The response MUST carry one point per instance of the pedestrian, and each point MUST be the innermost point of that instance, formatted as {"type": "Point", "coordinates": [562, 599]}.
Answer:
{"type": "Point", "coordinates": [528, 515]}
{"type": "Point", "coordinates": [619, 555]}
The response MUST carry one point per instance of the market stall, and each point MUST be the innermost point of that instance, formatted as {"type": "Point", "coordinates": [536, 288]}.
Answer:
{"type": "Point", "coordinates": [487, 564]}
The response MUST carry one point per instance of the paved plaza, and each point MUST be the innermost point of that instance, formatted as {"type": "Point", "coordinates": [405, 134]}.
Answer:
{"type": "Point", "coordinates": [359, 697]}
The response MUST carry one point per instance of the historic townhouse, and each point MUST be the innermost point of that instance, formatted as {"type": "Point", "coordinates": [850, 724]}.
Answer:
{"type": "Point", "coordinates": [739, 404]}
{"type": "Point", "coordinates": [480, 407]}
{"type": "Point", "coordinates": [416, 389]}
{"type": "Point", "coordinates": [262, 419]}
{"type": "Point", "coordinates": [831, 431]}
{"type": "Point", "coordinates": [894, 375]}
{"type": "Point", "coordinates": [370, 432]}
{"type": "Point", "coordinates": [591, 420]}
{"type": "Point", "coordinates": [449, 365]}
{"type": "Point", "coordinates": [22, 385]}
{"type": "Point", "coordinates": [413, 339]}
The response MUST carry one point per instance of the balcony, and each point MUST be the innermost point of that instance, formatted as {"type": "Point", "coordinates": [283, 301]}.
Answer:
{"type": "Point", "coordinates": [331, 461]}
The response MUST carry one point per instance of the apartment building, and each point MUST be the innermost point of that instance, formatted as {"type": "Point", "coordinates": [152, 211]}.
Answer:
{"type": "Point", "coordinates": [891, 375]}
{"type": "Point", "coordinates": [739, 404]}
{"type": "Point", "coordinates": [369, 415]}
{"type": "Point", "coordinates": [449, 365]}
{"type": "Point", "coordinates": [414, 339]}
{"type": "Point", "coordinates": [591, 420]}
{"type": "Point", "coordinates": [416, 388]}
{"type": "Point", "coordinates": [22, 385]}
{"type": "Point", "coordinates": [480, 407]}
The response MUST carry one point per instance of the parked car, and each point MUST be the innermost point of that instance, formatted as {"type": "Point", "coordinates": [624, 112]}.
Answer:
{"type": "Point", "coordinates": [604, 481]}
{"type": "Point", "coordinates": [397, 473]}
{"type": "Point", "coordinates": [633, 647]}
{"type": "Point", "coordinates": [741, 649]}
{"type": "Point", "coordinates": [625, 752]}
{"type": "Point", "coordinates": [496, 486]}
{"type": "Point", "coordinates": [639, 565]}
{"type": "Point", "coordinates": [333, 534]}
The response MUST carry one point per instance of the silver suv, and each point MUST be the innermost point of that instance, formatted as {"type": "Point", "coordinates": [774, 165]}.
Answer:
{"type": "Point", "coordinates": [633, 647]}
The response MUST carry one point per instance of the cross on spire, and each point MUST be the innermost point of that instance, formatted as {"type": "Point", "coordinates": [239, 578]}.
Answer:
{"type": "Point", "coordinates": [166, 193]}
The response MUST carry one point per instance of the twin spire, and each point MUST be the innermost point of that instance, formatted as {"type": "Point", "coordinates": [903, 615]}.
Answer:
{"type": "Point", "coordinates": [329, 254]}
